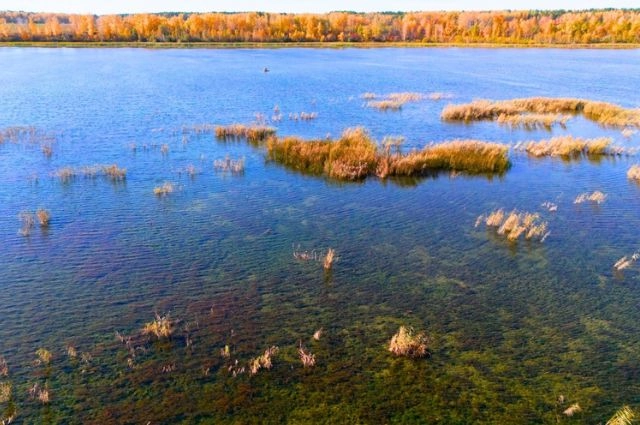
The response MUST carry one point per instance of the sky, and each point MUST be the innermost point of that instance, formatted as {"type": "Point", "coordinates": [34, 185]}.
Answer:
{"type": "Point", "coordinates": [101, 7]}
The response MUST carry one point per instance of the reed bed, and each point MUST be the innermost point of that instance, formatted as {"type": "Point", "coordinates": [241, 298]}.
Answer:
{"type": "Point", "coordinates": [352, 157]}
{"type": "Point", "coordinates": [606, 114]}
{"type": "Point", "coordinates": [165, 189]}
{"type": "Point", "coordinates": [385, 105]}
{"type": "Point", "coordinates": [596, 197]}
{"type": "Point", "coordinates": [234, 166]}
{"type": "Point", "coordinates": [634, 173]}
{"type": "Point", "coordinates": [355, 156]}
{"type": "Point", "coordinates": [569, 146]}
{"type": "Point", "coordinates": [391, 101]}
{"type": "Point", "coordinates": [26, 134]}
{"type": "Point", "coordinates": [253, 133]}
{"type": "Point", "coordinates": [515, 224]}
{"type": "Point", "coordinates": [408, 344]}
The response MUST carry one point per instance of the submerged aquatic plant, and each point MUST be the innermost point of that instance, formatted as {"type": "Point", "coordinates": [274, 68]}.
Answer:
{"type": "Point", "coordinates": [596, 197]}
{"type": "Point", "coordinates": [27, 218]}
{"type": "Point", "coordinates": [406, 343]}
{"type": "Point", "coordinates": [263, 361]}
{"type": "Point", "coordinates": [392, 101]}
{"type": "Point", "coordinates": [161, 327]}
{"type": "Point", "coordinates": [623, 416]}
{"type": "Point", "coordinates": [253, 133]}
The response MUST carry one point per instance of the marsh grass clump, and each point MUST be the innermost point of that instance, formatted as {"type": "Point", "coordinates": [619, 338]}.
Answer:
{"type": "Point", "coordinates": [161, 327]}
{"type": "Point", "coordinates": [65, 174]}
{"type": "Point", "coordinates": [306, 357]}
{"type": "Point", "coordinates": [515, 224]}
{"type": "Point", "coordinates": [623, 416]}
{"type": "Point", "coordinates": [626, 262]}
{"type": "Point", "coordinates": [317, 334]}
{"type": "Point", "coordinates": [596, 197]}
{"type": "Point", "coordinates": [114, 172]}
{"type": "Point", "coordinates": [43, 356]}
{"type": "Point", "coordinates": [234, 166]}
{"type": "Point", "coordinates": [628, 133]}
{"type": "Point", "coordinates": [392, 101]}
{"type": "Point", "coordinates": [532, 121]}
{"type": "Point", "coordinates": [263, 361]}
{"type": "Point", "coordinates": [165, 189]}
{"type": "Point", "coordinates": [406, 343]}
{"type": "Point", "coordinates": [385, 105]}
{"type": "Point", "coordinates": [368, 96]}
{"type": "Point", "coordinates": [253, 133]}
{"type": "Point", "coordinates": [606, 114]}
{"type": "Point", "coordinates": [570, 147]}
{"type": "Point", "coordinates": [634, 173]}
{"type": "Point", "coordinates": [44, 217]}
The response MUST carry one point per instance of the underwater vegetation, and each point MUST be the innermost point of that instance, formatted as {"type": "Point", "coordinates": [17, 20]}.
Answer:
{"type": "Point", "coordinates": [606, 114]}
{"type": "Point", "coordinates": [406, 343]}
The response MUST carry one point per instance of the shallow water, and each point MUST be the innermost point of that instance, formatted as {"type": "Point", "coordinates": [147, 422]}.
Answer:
{"type": "Point", "coordinates": [512, 326]}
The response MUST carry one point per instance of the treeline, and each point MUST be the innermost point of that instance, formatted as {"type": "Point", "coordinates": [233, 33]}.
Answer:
{"type": "Point", "coordinates": [519, 27]}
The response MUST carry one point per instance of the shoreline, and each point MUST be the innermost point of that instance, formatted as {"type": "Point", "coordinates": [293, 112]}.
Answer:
{"type": "Point", "coordinates": [315, 45]}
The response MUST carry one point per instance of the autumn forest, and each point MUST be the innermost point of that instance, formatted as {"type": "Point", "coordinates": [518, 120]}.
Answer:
{"type": "Point", "coordinates": [502, 27]}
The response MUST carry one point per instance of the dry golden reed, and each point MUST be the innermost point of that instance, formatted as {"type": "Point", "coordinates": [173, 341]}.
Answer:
{"type": "Point", "coordinates": [164, 189]}
{"type": "Point", "coordinates": [263, 361]}
{"type": "Point", "coordinates": [532, 121]}
{"type": "Point", "coordinates": [623, 416]}
{"type": "Point", "coordinates": [44, 217]}
{"type": "Point", "coordinates": [572, 410]}
{"type": "Point", "coordinates": [606, 114]}
{"type": "Point", "coordinates": [44, 356]}
{"type": "Point", "coordinates": [569, 146]}
{"type": "Point", "coordinates": [406, 343]}
{"type": "Point", "coordinates": [596, 197]}
{"type": "Point", "coordinates": [317, 334]}
{"type": "Point", "coordinates": [253, 133]}
{"type": "Point", "coordinates": [515, 224]}
{"type": "Point", "coordinates": [329, 258]}
{"type": "Point", "coordinates": [234, 166]}
{"type": "Point", "coordinates": [626, 262]}
{"type": "Point", "coordinates": [634, 172]}
{"type": "Point", "coordinates": [307, 359]}
{"type": "Point", "coordinates": [161, 327]}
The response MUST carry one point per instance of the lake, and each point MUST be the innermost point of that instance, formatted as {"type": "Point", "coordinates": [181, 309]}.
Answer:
{"type": "Point", "coordinates": [518, 332]}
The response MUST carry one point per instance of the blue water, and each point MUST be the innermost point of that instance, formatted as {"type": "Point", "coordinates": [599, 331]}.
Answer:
{"type": "Point", "coordinates": [512, 326]}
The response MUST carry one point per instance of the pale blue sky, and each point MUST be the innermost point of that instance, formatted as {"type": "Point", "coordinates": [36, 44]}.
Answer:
{"type": "Point", "coordinates": [298, 6]}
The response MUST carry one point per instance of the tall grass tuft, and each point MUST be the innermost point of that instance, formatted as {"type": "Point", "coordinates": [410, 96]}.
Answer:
{"type": "Point", "coordinates": [263, 361]}
{"type": "Point", "coordinates": [406, 343]}
{"type": "Point", "coordinates": [161, 327]}
{"type": "Point", "coordinates": [532, 121]}
{"type": "Point", "coordinates": [329, 259]}
{"type": "Point", "coordinates": [306, 357]}
{"type": "Point", "coordinates": [624, 416]}
{"type": "Point", "coordinates": [234, 166]}
{"type": "Point", "coordinates": [44, 217]}
{"type": "Point", "coordinates": [606, 114]}
{"type": "Point", "coordinates": [634, 172]}
{"type": "Point", "coordinates": [114, 172]}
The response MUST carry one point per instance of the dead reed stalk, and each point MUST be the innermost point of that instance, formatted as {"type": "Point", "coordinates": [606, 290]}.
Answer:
{"type": "Point", "coordinates": [44, 217]}
{"type": "Point", "coordinates": [161, 327]}
{"type": "Point", "coordinates": [329, 259]}
{"type": "Point", "coordinates": [164, 189]}
{"type": "Point", "coordinates": [568, 146]}
{"type": "Point", "coordinates": [263, 361]}
{"type": "Point", "coordinates": [307, 359]}
{"type": "Point", "coordinates": [596, 197]}
{"type": "Point", "coordinates": [515, 224]}
{"type": "Point", "coordinates": [634, 173]}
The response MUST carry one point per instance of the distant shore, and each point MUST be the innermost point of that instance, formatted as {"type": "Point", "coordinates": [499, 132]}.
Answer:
{"type": "Point", "coordinates": [315, 45]}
